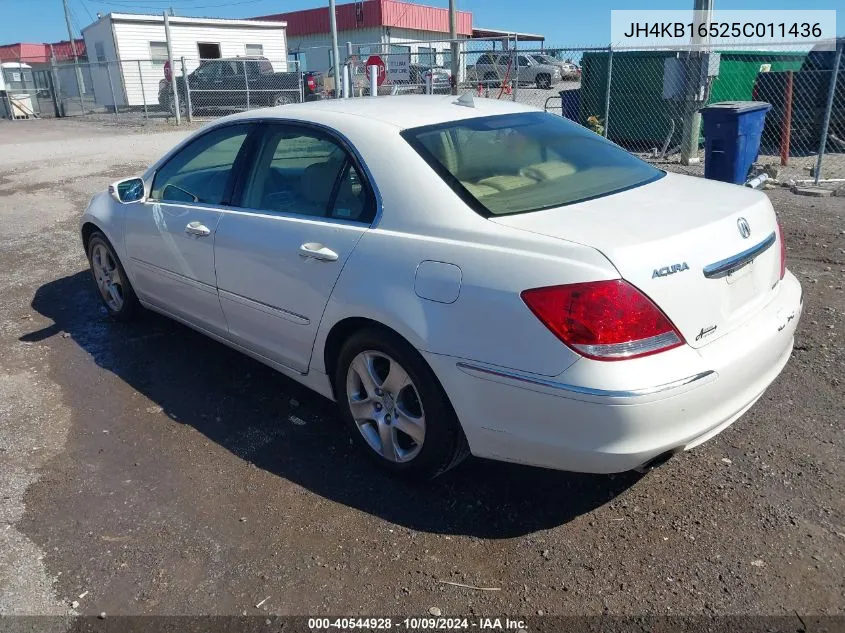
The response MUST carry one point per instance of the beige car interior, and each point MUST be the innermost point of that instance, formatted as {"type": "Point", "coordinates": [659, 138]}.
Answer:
{"type": "Point", "coordinates": [486, 168]}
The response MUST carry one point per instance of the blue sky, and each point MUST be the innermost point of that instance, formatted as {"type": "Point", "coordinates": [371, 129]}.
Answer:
{"type": "Point", "coordinates": [564, 23]}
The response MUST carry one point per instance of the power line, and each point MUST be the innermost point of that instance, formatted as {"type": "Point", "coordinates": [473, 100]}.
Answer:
{"type": "Point", "coordinates": [167, 3]}
{"type": "Point", "coordinates": [85, 6]}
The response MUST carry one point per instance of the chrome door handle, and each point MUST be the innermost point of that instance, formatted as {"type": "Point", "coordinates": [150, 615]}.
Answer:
{"type": "Point", "coordinates": [315, 250]}
{"type": "Point", "coordinates": [197, 228]}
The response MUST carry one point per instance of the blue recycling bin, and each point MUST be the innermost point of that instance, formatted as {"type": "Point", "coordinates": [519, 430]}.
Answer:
{"type": "Point", "coordinates": [732, 131]}
{"type": "Point", "coordinates": [570, 103]}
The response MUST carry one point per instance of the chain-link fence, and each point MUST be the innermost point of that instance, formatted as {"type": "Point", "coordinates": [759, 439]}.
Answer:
{"type": "Point", "coordinates": [648, 101]}
{"type": "Point", "coordinates": [142, 89]}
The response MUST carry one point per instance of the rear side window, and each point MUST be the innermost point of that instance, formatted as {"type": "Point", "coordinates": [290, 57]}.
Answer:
{"type": "Point", "coordinates": [528, 161]}
{"type": "Point", "coordinates": [304, 172]}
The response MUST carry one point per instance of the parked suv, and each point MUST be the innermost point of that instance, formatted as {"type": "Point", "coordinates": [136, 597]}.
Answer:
{"type": "Point", "coordinates": [239, 83]}
{"type": "Point", "coordinates": [568, 70]}
{"type": "Point", "coordinates": [493, 69]}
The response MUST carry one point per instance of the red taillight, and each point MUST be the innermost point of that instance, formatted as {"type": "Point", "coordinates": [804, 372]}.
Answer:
{"type": "Point", "coordinates": [604, 320]}
{"type": "Point", "coordinates": [782, 251]}
{"type": "Point", "coordinates": [312, 85]}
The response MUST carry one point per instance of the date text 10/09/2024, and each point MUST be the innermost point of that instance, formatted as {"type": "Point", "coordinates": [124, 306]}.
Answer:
{"type": "Point", "coordinates": [416, 624]}
{"type": "Point", "coordinates": [685, 30]}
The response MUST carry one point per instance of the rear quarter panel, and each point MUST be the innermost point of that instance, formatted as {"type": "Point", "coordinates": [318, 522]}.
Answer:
{"type": "Point", "coordinates": [422, 219]}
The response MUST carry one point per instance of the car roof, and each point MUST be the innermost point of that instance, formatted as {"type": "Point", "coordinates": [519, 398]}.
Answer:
{"type": "Point", "coordinates": [399, 111]}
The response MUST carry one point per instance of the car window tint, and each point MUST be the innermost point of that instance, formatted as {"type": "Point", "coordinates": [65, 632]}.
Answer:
{"type": "Point", "coordinates": [528, 161]}
{"type": "Point", "coordinates": [200, 171]}
{"type": "Point", "coordinates": [304, 173]}
{"type": "Point", "coordinates": [351, 200]}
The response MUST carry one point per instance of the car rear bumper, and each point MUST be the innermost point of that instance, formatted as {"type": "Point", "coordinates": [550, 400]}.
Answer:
{"type": "Point", "coordinates": [609, 417]}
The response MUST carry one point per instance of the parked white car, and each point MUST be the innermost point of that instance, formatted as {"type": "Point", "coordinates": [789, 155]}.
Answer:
{"type": "Point", "coordinates": [461, 276]}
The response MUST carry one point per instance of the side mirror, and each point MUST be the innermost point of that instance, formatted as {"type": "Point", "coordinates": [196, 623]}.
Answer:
{"type": "Point", "coordinates": [128, 191]}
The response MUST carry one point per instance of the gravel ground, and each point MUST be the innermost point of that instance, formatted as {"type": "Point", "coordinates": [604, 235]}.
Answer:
{"type": "Point", "coordinates": [158, 472]}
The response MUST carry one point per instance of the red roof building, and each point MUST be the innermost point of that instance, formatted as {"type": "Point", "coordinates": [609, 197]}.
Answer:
{"type": "Point", "coordinates": [41, 53]}
{"type": "Point", "coordinates": [374, 14]}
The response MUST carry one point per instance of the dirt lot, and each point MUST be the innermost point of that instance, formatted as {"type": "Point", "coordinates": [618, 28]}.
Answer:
{"type": "Point", "coordinates": [158, 472]}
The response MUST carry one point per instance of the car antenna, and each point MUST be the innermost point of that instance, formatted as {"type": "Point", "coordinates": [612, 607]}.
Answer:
{"type": "Point", "coordinates": [465, 100]}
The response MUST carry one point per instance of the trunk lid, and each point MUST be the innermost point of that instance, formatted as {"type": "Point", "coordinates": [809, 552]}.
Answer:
{"type": "Point", "coordinates": [679, 241]}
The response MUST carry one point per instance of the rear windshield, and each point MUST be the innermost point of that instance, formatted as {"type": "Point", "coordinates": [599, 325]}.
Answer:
{"type": "Point", "coordinates": [527, 161]}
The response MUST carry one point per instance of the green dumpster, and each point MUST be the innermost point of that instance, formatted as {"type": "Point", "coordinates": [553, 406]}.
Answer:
{"type": "Point", "coordinates": [639, 117]}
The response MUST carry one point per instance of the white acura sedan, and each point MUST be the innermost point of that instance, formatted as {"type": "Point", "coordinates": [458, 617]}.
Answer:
{"type": "Point", "coordinates": [461, 277]}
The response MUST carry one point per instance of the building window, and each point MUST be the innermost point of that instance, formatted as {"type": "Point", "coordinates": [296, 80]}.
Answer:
{"type": "Point", "coordinates": [99, 52]}
{"type": "Point", "coordinates": [427, 56]}
{"type": "Point", "coordinates": [208, 50]}
{"type": "Point", "coordinates": [158, 52]}
{"type": "Point", "coordinates": [254, 50]}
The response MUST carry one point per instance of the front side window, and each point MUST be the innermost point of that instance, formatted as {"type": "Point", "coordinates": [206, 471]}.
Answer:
{"type": "Point", "coordinates": [304, 172]}
{"type": "Point", "coordinates": [528, 161]}
{"type": "Point", "coordinates": [200, 172]}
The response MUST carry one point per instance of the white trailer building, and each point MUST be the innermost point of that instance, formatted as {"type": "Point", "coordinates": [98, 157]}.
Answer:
{"type": "Point", "coordinates": [128, 51]}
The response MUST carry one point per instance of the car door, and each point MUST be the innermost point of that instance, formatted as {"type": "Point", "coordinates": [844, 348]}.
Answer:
{"type": "Point", "coordinates": [304, 204]}
{"type": "Point", "coordinates": [170, 237]}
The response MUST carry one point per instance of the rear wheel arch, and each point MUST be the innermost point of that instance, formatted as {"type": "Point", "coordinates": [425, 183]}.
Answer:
{"type": "Point", "coordinates": [340, 333]}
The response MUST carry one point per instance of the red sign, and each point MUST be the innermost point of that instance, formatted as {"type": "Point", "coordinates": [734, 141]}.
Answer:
{"type": "Point", "coordinates": [375, 60]}
{"type": "Point", "coordinates": [168, 74]}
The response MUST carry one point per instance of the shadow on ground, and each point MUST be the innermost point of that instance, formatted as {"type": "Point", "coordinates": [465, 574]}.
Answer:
{"type": "Point", "coordinates": [247, 407]}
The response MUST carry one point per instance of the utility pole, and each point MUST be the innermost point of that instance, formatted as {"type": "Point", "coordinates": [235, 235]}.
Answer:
{"type": "Point", "coordinates": [335, 51]}
{"type": "Point", "coordinates": [79, 83]}
{"type": "Point", "coordinates": [693, 89]}
{"type": "Point", "coordinates": [456, 51]}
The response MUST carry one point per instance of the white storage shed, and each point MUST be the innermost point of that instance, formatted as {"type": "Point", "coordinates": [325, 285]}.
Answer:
{"type": "Point", "coordinates": [127, 51]}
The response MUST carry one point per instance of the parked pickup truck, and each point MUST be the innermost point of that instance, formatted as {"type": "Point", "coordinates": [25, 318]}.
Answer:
{"type": "Point", "coordinates": [810, 90]}
{"type": "Point", "coordinates": [239, 83]}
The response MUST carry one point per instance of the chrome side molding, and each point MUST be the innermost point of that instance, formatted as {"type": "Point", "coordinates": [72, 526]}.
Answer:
{"type": "Point", "coordinates": [588, 391]}
{"type": "Point", "coordinates": [725, 267]}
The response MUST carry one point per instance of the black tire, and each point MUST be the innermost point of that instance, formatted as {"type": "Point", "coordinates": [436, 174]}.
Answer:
{"type": "Point", "coordinates": [444, 445]}
{"type": "Point", "coordinates": [282, 98]}
{"type": "Point", "coordinates": [170, 106]}
{"type": "Point", "coordinates": [130, 306]}
{"type": "Point", "coordinates": [544, 82]}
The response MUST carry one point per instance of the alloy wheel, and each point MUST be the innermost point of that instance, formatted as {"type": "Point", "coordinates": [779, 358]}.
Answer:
{"type": "Point", "coordinates": [108, 277]}
{"type": "Point", "coordinates": [386, 406]}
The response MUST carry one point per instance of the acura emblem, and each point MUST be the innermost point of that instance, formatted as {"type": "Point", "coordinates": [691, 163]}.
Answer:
{"type": "Point", "coordinates": [744, 228]}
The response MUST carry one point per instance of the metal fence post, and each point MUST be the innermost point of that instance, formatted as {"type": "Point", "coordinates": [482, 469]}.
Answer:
{"type": "Point", "coordinates": [9, 101]}
{"type": "Point", "coordinates": [826, 124]}
{"type": "Point", "coordinates": [246, 83]}
{"type": "Point", "coordinates": [23, 84]}
{"type": "Point", "coordinates": [516, 66]}
{"type": "Point", "coordinates": [143, 90]}
{"type": "Point", "coordinates": [188, 109]}
{"type": "Point", "coordinates": [173, 83]}
{"type": "Point", "coordinates": [57, 86]}
{"type": "Point", "coordinates": [111, 88]}
{"type": "Point", "coordinates": [301, 82]}
{"type": "Point", "coordinates": [607, 92]}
